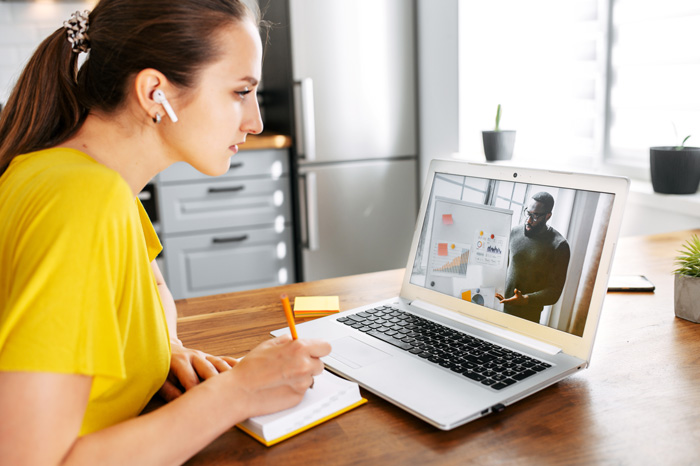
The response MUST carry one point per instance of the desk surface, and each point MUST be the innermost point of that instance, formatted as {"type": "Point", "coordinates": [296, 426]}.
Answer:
{"type": "Point", "coordinates": [638, 402]}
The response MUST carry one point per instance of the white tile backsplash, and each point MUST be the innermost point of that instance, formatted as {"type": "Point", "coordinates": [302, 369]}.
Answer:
{"type": "Point", "coordinates": [23, 26]}
{"type": "Point", "coordinates": [9, 56]}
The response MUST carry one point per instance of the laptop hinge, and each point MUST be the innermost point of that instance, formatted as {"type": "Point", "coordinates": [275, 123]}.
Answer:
{"type": "Point", "coordinates": [501, 332]}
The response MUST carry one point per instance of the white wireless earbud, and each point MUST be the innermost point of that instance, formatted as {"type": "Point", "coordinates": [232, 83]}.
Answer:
{"type": "Point", "coordinates": [159, 98]}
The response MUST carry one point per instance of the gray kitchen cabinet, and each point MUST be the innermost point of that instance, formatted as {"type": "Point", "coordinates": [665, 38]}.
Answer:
{"type": "Point", "coordinates": [227, 233]}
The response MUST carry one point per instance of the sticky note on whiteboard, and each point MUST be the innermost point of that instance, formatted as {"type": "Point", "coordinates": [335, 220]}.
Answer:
{"type": "Point", "coordinates": [447, 219]}
{"type": "Point", "coordinates": [442, 249]}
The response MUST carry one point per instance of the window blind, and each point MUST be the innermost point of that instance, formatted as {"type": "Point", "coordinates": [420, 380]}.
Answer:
{"type": "Point", "coordinates": [545, 62]}
{"type": "Point", "coordinates": [655, 77]}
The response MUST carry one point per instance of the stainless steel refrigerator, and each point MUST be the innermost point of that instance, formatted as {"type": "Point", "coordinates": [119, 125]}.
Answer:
{"type": "Point", "coordinates": [340, 77]}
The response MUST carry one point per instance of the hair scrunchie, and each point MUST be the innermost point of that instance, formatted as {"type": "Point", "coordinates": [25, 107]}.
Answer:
{"type": "Point", "coordinates": [76, 31]}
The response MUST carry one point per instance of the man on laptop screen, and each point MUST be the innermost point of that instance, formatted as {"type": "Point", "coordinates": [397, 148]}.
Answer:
{"type": "Point", "coordinates": [539, 257]}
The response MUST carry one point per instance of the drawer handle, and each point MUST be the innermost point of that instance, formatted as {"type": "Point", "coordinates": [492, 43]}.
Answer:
{"type": "Point", "coordinates": [229, 189]}
{"type": "Point", "coordinates": [236, 165]}
{"type": "Point", "coordinates": [230, 239]}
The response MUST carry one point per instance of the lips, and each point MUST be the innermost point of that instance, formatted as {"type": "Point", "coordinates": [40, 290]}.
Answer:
{"type": "Point", "coordinates": [234, 147]}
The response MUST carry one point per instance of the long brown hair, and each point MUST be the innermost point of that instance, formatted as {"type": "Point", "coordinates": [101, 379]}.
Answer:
{"type": "Point", "coordinates": [52, 98]}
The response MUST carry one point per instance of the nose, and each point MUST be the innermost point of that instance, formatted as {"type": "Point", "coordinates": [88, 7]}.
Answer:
{"type": "Point", "coordinates": [252, 123]}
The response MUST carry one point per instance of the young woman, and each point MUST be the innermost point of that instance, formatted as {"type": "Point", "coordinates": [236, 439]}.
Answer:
{"type": "Point", "coordinates": [87, 325]}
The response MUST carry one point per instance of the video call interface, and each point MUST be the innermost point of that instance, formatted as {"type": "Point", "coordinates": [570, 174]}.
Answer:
{"type": "Point", "coordinates": [484, 239]}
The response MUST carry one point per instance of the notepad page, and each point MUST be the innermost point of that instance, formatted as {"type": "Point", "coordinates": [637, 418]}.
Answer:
{"type": "Point", "coordinates": [330, 394]}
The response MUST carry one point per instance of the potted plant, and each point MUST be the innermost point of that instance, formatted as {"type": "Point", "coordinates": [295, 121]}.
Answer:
{"type": "Point", "coordinates": [498, 144]}
{"type": "Point", "coordinates": [675, 170]}
{"type": "Point", "coordinates": [686, 286]}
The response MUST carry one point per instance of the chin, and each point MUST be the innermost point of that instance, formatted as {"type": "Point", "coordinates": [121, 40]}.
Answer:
{"type": "Point", "coordinates": [214, 170]}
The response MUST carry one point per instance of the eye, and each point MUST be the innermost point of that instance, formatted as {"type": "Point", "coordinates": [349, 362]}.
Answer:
{"type": "Point", "coordinates": [243, 93]}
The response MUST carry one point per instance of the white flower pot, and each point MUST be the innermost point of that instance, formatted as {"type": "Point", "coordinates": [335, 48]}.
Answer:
{"type": "Point", "coordinates": [687, 297]}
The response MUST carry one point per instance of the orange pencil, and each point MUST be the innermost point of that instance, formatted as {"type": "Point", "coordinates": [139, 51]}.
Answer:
{"type": "Point", "coordinates": [289, 315]}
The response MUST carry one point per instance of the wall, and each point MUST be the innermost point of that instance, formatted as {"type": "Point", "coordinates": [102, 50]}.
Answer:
{"type": "Point", "coordinates": [23, 26]}
{"type": "Point", "coordinates": [438, 87]}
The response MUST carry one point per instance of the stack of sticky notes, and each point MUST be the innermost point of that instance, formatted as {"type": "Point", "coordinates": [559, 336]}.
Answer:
{"type": "Point", "coordinates": [316, 306]}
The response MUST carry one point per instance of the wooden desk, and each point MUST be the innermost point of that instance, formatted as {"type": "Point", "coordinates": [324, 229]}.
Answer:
{"type": "Point", "coordinates": [638, 403]}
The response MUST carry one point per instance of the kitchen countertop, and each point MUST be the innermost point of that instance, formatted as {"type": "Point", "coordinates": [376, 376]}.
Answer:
{"type": "Point", "coordinates": [266, 141]}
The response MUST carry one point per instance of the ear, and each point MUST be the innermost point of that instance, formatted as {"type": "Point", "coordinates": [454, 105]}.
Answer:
{"type": "Point", "coordinates": [145, 83]}
{"type": "Point", "coordinates": [549, 215]}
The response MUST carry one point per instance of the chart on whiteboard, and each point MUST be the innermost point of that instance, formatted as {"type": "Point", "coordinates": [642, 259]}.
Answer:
{"type": "Point", "coordinates": [449, 259]}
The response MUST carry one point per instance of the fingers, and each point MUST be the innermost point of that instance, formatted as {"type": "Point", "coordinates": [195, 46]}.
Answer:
{"type": "Point", "coordinates": [219, 364]}
{"type": "Point", "coordinates": [188, 367]}
{"type": "Point", "coordinates": [318, 348]}
{"type": "Point", "coordinates": [280, 340]}
{"type": "Point", "coordinates": [204, 368]}
{"type": "Point", "coordinates": [311, 348]}
{"type": "Point", "coordinates": [318, 368]}
{"type": "Point", "coordinates": [183, 369]}
{"type": "Point", "coordinates": [169, 391]}
{"type": "Point", "coordinates": [231, 361]}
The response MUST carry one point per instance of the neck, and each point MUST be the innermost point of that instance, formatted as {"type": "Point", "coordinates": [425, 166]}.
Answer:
{"type": "Point", "coordinates": [131, 148]}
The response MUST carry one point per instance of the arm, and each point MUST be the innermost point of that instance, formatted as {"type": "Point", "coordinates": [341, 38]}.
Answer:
{"type": "Point", "coordinates": [41, 413]}
{"type": "Point", "coordinates": [187, 366]}
{"type": "Point", "coordinates": [556, 279]}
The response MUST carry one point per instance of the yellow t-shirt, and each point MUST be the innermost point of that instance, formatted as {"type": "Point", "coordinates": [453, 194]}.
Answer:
{"type": "Point", "coordinates": [77, 293]}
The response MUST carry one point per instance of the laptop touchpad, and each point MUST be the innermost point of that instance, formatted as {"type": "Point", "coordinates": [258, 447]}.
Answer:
{"type": "Point", "coordinates": [355, 353]}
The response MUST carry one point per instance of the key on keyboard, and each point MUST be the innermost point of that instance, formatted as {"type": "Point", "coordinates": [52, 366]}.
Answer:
{"type": "Point", "coordinates": [487, 363]}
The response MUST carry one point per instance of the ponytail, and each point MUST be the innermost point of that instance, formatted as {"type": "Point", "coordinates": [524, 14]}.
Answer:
{"type": "Point", "coordinates": [43, 109]}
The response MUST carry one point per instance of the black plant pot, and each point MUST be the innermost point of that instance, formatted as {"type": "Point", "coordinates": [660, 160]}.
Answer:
{"type": "Point", "coordinates": [675, 171]}
{"type": "Point", "coordinates": [498, 145]}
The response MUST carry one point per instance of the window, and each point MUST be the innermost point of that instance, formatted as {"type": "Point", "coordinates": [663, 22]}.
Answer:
{"type": "Point", "coordinates": [583, 82]}
{"type": "Point", "coordinates": [655, 85]}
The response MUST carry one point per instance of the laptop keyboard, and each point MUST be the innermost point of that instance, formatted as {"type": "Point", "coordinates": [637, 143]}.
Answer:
{"type": "Point", "coordinates": [481, 361]}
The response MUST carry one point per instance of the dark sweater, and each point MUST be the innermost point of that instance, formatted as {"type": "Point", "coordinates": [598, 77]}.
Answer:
{"type": "Point", "coordinates": [537, 267]}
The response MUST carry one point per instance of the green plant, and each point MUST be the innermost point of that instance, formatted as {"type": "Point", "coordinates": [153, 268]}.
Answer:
{"type": "Point", "coordinates": [682, 144]}
{"type": "Point", "coordinates": [689, 260]}
{"type": "Point", "coordinates": [498, 117]}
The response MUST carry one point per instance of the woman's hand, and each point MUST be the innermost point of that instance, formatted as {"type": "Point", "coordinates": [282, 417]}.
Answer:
{"type": "Point", "coordinates": [276, 374]}
{"type": "Point", "coordinates": [188, 367]}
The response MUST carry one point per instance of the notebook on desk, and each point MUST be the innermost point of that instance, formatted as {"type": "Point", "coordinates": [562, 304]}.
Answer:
{"type": "Point", "coordinates": [501, 298]}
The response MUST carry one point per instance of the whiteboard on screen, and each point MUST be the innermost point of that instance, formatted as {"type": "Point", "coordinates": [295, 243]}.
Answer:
{"type": "Point", "coordinates": [468, 255]}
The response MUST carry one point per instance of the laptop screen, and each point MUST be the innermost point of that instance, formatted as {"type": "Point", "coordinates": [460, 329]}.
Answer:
{"type": "Point", "coordinates": [531, 251]}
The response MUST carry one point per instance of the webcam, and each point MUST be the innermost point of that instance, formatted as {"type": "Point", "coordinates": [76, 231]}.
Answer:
{"type": "Point", "coordinates": [515, 175]}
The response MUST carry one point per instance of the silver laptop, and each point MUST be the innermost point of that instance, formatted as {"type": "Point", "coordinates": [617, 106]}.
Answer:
{"type": "Point", "coordinates": [502, 294]}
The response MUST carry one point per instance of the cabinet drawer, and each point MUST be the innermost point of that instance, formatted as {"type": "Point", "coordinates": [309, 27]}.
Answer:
{"type": "Point", "coordinates": [232, 260]}
{"type": "Point", "coordinates": [255, 163]}
{"type": "Point", "coordinates": [223, 204]}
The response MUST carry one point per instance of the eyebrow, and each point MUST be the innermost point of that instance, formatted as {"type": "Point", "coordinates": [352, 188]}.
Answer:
{"type": "Point", "coordinates": [251, 80]}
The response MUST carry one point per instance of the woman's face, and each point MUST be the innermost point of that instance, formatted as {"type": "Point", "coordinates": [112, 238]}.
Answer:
{"type": "Point", "coordinates": [222, 108]}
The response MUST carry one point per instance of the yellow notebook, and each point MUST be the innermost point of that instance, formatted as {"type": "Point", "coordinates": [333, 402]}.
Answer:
{"type": "Point", "coordinates": [316, 306]}
{"type": "Point", "coordinates": [330, 397]}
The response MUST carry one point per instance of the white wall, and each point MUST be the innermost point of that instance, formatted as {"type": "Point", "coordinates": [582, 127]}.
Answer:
{"type": "Point", "coordinates": [438, 89]}
{"type": "Point", "coordinates": [23, 26]}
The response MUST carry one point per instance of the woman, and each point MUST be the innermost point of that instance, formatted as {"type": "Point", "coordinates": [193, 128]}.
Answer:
{"type": "Point", "coordinates": [87, 325]}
